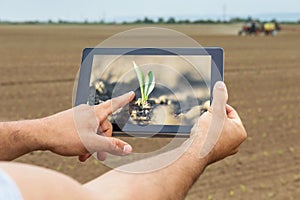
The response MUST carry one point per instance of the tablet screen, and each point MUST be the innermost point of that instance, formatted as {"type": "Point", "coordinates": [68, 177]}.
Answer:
{"type": "Point", "coordinates": [180, 87]}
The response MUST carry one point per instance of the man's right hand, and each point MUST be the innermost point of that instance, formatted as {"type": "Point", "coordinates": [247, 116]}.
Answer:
{"type": "Point", "coordinates": [84, 130]}
{"type": "Point", "coordinates": [219, 132]}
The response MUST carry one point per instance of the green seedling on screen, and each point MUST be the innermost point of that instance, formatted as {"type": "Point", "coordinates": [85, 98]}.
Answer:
{"type": "Point", "coordinates": [146, 84]}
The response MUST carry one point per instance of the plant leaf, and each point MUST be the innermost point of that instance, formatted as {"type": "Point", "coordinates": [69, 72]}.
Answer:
{"type": "Point", "coordinates": [149, 83]}
{"type": "Point", "coordinates": [141, 79]}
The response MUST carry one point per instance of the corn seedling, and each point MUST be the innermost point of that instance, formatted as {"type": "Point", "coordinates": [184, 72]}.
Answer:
{"type": "Point", "coordinates": [146, 83]}
{"type": "Point", "coordinates": [266, 154]}
{"type": "Point", "coordinates": [58, 167]}
{"type": "Point", "coordinates": [282, 181]}
{"type": "Point", "coordinates": [253, 157]}
{"type": "Point", "coordinates": [297, 177]}
{"type": "Point", "coordinates": [280, 152]}
{"type": "Point", "coordinates": [264, 135]}
{"type": "Point", "coordinates": [243, 188]}
{"type": "Point", "coordinates": [292, 149]}
{"type": "Point", "coordinates": [263, 186]}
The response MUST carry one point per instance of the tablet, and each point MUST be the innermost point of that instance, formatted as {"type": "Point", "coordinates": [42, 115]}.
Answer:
{"type": "Point", "coordinates": [172, 86]}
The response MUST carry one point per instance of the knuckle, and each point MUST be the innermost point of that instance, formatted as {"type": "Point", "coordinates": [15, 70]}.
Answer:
{"type": "Point", "coordinates": [114, 146]}
{"type": "Point", "coordinates": [104, 113]}
{"type": "Point", "coordinates": [110, 126]}
{"type": "Point", "coordinates": [102, 116]}
{"type": "Point", "coordinates": [240, 131]}
{"type": "Point", "coordinates": [244, 135]}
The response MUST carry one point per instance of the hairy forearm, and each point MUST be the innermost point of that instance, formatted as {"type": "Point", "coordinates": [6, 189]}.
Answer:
{"type": "Point", "coordinates": [175, 180]}
{"type": "Point", "coordinates": [171, 182]}
{"type": "Point", "coordinates": [19, 138]}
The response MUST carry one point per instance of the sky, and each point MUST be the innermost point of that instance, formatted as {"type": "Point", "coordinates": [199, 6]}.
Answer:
{"type": "Point", "coordinates": [129, 10]}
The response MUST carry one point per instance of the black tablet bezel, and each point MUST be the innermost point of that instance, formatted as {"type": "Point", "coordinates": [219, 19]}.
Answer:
{"type": "Point", "coordinates": [217, 74]}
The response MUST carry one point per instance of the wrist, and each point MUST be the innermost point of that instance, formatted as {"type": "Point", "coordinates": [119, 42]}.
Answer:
{"type": "Point", "coordinates": [194, 158]}
{"type": "Point", "coordinates": [35, 129]}
{"type": "Point", "coordinates": [25, 135]}
{"type": "Point", "coordinates": [45, 135]}
{"type": "Point", "coordinates": [196, 150]}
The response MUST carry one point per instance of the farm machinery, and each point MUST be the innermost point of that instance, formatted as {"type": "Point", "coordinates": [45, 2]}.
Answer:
{"type": "Point", "coordinates": [254, 28]}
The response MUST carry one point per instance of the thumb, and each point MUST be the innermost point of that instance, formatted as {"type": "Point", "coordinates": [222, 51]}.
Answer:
{"type": "Point", "coordinates": [112, 145]}
{"type": "Point", "coordinates": [220, 97]}
{"type": "Point", "coordinates": [218, 118]}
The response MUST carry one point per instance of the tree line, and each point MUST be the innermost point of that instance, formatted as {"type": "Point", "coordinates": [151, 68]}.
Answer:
{"type": "Point", "coordinates": [146, 20]}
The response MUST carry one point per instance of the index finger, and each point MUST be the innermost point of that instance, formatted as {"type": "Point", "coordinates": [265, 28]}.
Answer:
{"type": "Point", "coordinates": [108, 107]}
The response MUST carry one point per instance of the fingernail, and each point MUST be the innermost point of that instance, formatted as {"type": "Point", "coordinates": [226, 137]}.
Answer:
{"type": "Point", "coordinates": [127, 149]}
{"type": "Point", "coordinates": [220, 85]}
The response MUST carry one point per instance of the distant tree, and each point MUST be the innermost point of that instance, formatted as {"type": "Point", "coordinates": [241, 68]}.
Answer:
{"type": "Point", "coordinates": [171, 20]}
{"type": "Point", "coordinates": [200, 21]}
{"type": "Point", "coordinates": [185, 21]}
{"type": "Point", "coordinates": [148, 21]}
{"type": "Point", "coordinates": [160, 20]}
{"type": "Point", "coordinates": [274, 20]}
{"type": "Point", "coordinates": [237, 20]}
{"type": "Point", "coordinates": [138, 21]}
{"type": "Point", "coordinates": [32, 22]}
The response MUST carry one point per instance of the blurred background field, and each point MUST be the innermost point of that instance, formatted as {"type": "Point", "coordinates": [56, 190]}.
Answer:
{"type": "Point", "coordinates": [38, 64]}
